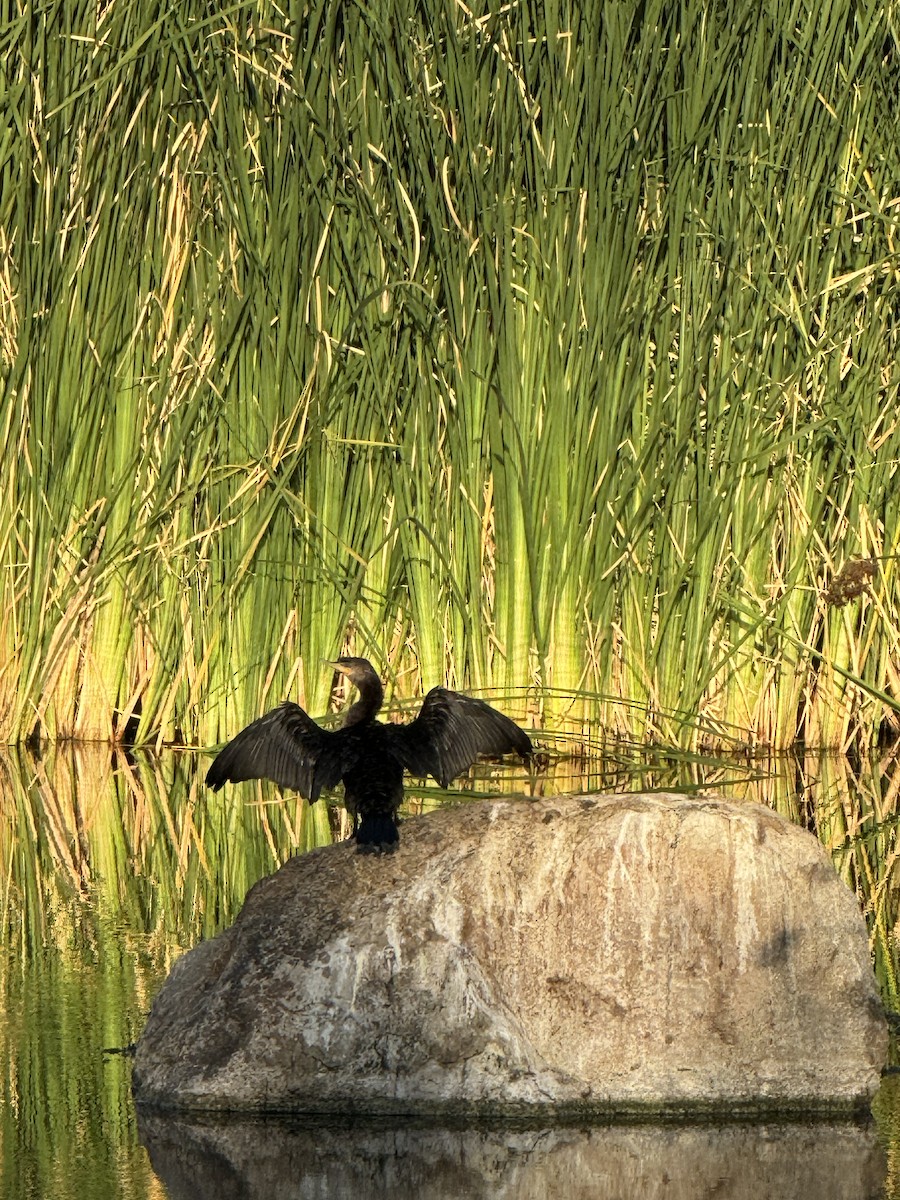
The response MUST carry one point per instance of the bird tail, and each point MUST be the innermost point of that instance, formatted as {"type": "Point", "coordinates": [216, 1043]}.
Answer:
{"type": "Point", "coordinates": [377, 834]}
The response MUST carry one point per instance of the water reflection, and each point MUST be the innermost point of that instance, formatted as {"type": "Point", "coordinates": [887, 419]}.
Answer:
{"type": "Point", "coordinates": [274, 1159]}
{"type": "Point", "coordinates": [113, 865]}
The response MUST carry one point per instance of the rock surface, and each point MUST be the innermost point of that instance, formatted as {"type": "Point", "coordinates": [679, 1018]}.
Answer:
{"type": "Point", "coordinates": [623, 953]}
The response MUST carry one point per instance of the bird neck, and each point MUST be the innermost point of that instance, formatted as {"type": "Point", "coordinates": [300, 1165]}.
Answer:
{"type": "Point", "coordinates": [367, 704]}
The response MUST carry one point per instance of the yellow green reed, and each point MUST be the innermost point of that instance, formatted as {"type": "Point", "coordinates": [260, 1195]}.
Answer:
{"type": "Point", "coordinates": [546, 349]}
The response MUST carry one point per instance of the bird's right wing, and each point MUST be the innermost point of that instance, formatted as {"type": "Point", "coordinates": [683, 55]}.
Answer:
{"type": "Point", "coordinates": [286, 746]}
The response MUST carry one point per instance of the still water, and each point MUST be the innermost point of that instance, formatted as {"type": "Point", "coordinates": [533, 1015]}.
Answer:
{"type": "Point", "coordinates": [112, 866]}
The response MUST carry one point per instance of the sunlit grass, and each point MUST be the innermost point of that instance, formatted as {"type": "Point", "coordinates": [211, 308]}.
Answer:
{"type": "Point", "coordinates": [549, 347]}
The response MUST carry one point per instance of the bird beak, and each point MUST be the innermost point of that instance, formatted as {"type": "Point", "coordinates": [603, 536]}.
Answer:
{"type": "Point", "coordinates": [337, 666]}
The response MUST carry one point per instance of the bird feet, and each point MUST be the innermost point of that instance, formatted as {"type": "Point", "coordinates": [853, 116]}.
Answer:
{"type": "Point", "coordinates": [376, 847]}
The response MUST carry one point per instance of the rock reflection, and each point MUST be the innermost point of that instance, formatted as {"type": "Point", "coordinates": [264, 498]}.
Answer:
{"type": "Point", "coordinates": [282, 1159]}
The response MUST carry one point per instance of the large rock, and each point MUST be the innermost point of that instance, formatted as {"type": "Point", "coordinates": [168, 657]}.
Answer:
{"type": "Point", "coordinates": [627, 953]}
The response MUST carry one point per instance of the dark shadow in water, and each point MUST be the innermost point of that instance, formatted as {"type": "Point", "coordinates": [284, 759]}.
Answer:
{"type": "Point", "coordinates": [283, 1159]}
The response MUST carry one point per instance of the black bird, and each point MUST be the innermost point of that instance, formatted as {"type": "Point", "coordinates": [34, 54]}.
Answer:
{"type": "Point", "coordinates": [369, 758]}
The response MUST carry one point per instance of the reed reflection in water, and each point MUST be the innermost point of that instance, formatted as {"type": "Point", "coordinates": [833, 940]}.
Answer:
{"type": "Point", "coordinates": [113, 865]}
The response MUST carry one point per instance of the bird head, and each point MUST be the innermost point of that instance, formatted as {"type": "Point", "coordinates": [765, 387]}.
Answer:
{"type": "Point", "coordinates": [358, 670]}
{"type": "Point", "coordinates": [362, 675]}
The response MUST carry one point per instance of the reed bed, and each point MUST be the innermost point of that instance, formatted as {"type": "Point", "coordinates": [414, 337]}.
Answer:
{"type": "Point", "coordinates": [549, 349]}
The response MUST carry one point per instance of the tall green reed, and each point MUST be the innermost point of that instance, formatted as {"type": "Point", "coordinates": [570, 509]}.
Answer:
{"type": "Point", "coordinates": [549, 350]}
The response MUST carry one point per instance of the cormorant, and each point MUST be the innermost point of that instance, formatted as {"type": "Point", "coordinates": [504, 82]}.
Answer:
{"type": "Point", "coordinates": [369, 758]}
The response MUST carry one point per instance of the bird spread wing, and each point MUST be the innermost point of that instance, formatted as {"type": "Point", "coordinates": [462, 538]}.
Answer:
{"type": "Point", "coordinates": [286, 746]}
{"type": "Point", "coordinates": [450, 732]}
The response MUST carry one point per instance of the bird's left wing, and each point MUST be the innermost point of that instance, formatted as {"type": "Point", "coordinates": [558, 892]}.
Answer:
{"type": "Point", "coordinates": [450, 732]}
{"type": "Point", "coordinates": [286, 746]}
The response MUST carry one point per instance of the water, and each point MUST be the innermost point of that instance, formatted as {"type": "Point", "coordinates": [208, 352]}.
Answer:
{"type": "Point", "coordinates": [111, 867]}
